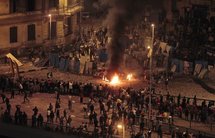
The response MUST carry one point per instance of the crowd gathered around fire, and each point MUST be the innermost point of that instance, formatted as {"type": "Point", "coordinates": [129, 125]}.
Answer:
{"type": "Point", "coordinates": [132, 105]}
{"type": "Point", "coordinates": [115, 105]}
{"type": "Point", "coordinates": [92, 40]}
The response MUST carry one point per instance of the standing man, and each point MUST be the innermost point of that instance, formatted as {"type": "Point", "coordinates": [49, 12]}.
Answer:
{"type": "Point", "coordinates": [20, 88]}
{"type": "Point", "coordinates": [12, 94]}
{"type": "Point", "coordinates": [3, 97]}
{"type": "Point", "coordinates": [159, 131]}
{"type": "Point", "coordinates": [166, 83]}
{"type": "Point", "coordinates": [70, 103]}
{"type": "Point", "coordinates": [26, 97]}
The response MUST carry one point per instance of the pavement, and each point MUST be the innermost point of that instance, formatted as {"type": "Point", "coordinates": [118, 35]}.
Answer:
{"type": "Point", "coordinates": [183, 85]}
{"type": "Point", "coordinates": [42, 100]}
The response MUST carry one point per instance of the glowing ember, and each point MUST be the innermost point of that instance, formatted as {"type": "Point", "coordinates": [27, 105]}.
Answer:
{"type": "Point", "coordinates": [129, 76]}
{"type": "Point", "coordinates": [105, 79]}
{"type": "Point", "coordinates": [115, 80]}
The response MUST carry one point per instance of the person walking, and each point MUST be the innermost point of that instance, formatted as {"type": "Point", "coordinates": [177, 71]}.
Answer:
{"type": "Point", "coordinates": [52, 116]}
{"type": "Point", "coordinates": [12, 94]}
{"type": "Point", "coordinates": [3, 97]}
{"type": "Point", "coordinates": [35, 110]}
{"type": "Point", "coordinates": [20, 88]}
{"type": "Point", "coordinates": [166, 83]}
{"type": "Point", "coordinates": [142, 124]}
{"type": "Point", "coordinates": [70, 103]}
{"type": "Point", "coordinates": [159, 132]}
{"type": "Point", "coordinates": [26, 97]}
{"type": "Point", "coordinates": [40, 121]}
{"type": "Point", "coordinates": [57, 115]}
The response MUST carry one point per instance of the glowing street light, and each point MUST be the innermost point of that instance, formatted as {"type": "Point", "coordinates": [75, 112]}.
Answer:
{"type": "Point", "coordinates": [119, 126]}
{"type": "Point", "coordinates": [152, 25]}
{"type": "Point", "coordinates": [50, 25]}
{"type": "Point", "coordinates": [122, 127]}
{"type": "Point", "coordinates": [151, 56]}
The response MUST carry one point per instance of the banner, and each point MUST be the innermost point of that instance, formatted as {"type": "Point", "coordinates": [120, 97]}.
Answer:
{"type": "Point", "coordinates": [15, 60]}
{"type": "Point", "coordinates": [203, 73]}
{"type": "Point", "coordinates": [197, 70]}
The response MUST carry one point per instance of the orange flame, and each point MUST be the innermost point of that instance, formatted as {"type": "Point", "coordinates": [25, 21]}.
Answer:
{"type": "Point", "coordinates": [115, 80]}
{"type": "Point", "coordinates": [129, 77]}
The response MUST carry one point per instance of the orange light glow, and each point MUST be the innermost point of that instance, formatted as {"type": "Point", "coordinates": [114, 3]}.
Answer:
{"type": "Point", "coordinates": [129, 77]}
{"type": "Point", "coordinates": [105, 79]}
{"type": "Point", "coordinates": [115, 80]}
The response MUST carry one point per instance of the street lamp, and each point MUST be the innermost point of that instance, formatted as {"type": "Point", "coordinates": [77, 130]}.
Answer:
{"type": "Point", "coordinates": [50, 26]}
{"type": "Point", "coordinates": [119, 126]}
{"type": "Point", "coordinates": [122, 127]}
{"type": "Point", "coordinates": [150, 85]}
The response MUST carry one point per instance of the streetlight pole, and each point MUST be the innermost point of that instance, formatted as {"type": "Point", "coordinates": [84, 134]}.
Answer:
{"type": "Point", "coordinates": [50, 26]}
{"type": "Point", "coordinates": [150, 85]}
{"type": "Point", "coordinates": [123, 126]}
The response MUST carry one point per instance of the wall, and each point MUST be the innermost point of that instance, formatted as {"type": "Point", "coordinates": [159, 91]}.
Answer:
{"type": "Point", "coordinates": [42, 25]}
{"type": "Point", "coordinates": [39, 32]}
{"type": "Point", "coordinates": [168, 8]}
{"type": "Point", "coordinates": [181, 5]}
{"type": "Point", "coordinates": [4, 36]}
{"type": "Point", "coordinates": [4, 6]}
{"type": "Point", "coordinates": [38, 4]}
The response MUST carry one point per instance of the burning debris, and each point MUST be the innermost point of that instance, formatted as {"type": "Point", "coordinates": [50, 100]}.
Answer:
{"type": "Point", "coordinates": [129, 77]}
{"type": "Point", "coordinates": [115, 80]}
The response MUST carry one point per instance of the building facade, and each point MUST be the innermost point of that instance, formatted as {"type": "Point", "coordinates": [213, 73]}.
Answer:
{"type": "Point", "coordinates": [29, 23]}
{"type": "Point", "coordinates": [182, 5]}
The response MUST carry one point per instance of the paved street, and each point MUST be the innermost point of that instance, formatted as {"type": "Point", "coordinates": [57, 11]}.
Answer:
{"type": "Point", "coordinates": [180, 85]}
{"type": "Point", "coordinates": [42, 101]}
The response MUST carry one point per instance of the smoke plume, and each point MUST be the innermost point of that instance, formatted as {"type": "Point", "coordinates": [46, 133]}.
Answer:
{"type": "Point", "coordinates": [120, 14]}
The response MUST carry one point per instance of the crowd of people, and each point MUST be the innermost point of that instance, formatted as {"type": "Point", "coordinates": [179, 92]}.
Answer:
{"type": "Point", "coordinates": [193, 31]}
{"type": "Point", "coordinates": [114, 104]}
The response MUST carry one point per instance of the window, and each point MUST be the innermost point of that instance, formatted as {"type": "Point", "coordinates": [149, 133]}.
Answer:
{"type": "Point", "coordinates": [31, 32]}
{"type": "Point", "coordinates": [13, 34]}
{"type": "Point", "coordinates": [30, 5]}
{"type": "Point", "coordinates": [70, 2]}
{"type": "Point", "coordinates": [68, 26]}
{"type": "Point", "coordinates": [53, 3]}
{"type": "Point", "coordinates": [21, 5]}
{"type": "Point", "coordinates": [13, 6]}
{"type": "Point", "coordinates": [53, 30]}
{"type": "Point", "coordinates": [78, 18]}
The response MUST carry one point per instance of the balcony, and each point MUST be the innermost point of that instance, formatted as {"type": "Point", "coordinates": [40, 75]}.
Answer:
{"type": "Point", "coordinates": [37, 15]}
{"type": "Point", "coordinates": [21, 17]}
{"type": "Point", "coordinates": [68, 9]}
{"type": "Point", "coordinates": [201, 2]}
